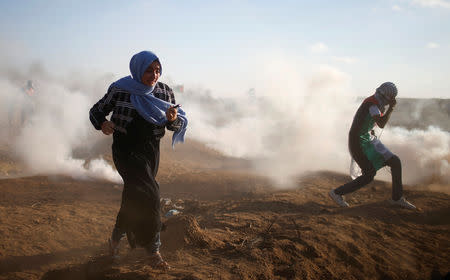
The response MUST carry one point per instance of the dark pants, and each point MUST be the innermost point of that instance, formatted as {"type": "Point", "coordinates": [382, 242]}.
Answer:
{"type": "Point", "coordinates": [140, 211]}
{"type": "Point", "coordinates": [368, 172]}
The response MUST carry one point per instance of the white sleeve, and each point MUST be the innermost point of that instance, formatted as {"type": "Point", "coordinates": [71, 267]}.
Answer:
{"type": "Point", "coordinates": [374, 110]}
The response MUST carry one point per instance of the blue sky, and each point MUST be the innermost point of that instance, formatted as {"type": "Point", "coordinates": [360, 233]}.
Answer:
{"type": "Point", "coordinates": [206, 42]}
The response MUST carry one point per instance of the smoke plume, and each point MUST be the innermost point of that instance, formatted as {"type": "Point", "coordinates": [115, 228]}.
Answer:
{"type": "Point", "coordinates": [43, 129]}
{"type": "Point", "coordinates": [287, 124]}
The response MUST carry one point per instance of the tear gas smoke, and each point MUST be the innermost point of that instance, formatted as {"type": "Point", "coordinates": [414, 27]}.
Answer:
{"type": "Point", "coordinates": [44, 129]}
{"type": "Point", "coordinates": [424, 153]}
{"type": "Point", "coordinates": [299, 122]}
{"type": "Point", "coordinates": [287, 124]}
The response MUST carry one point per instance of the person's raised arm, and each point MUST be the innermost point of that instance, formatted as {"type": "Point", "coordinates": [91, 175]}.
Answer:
{"type": "Point", "coordinates": [174, 123]}
{"type": "Point", "coordinates": [382, 120]}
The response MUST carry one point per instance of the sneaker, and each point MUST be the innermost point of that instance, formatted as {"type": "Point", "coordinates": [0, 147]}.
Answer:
{"type": "Point", "coordinates": [339, 199]}
{"type": "Point", "coordinates": [402, 202]}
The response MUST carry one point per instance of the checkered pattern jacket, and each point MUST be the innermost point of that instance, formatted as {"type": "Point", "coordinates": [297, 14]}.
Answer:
{"type": "Point", "coordinates": [123, 112]}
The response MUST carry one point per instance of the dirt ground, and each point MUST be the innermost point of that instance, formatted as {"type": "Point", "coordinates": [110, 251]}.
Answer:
{"type": "Point", "coordinates": [233, 225]}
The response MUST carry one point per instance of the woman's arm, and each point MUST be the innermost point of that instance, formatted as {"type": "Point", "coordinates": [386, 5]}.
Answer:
{"type": "Point", "coordinates": [174, 123]}
{"type": "Point", "coordinates": [101, 109]}
{"type": "Point", "coordinates": [166, 93]}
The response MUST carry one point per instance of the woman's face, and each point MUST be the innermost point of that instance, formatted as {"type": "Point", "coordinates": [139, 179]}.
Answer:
{"type": "Point", "coordinates": [151, 75]}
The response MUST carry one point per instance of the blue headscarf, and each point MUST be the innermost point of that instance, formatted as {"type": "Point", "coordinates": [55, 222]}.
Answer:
{"type": "Point", "coordinates": [148, 106]}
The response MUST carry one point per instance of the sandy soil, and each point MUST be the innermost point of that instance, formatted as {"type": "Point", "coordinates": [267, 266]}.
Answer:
{"type": "Point", "coordinates": [234, 225]}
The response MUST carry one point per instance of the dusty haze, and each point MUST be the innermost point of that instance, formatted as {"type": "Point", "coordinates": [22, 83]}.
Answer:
{"type": "Point", "coordinates": [286, 125]}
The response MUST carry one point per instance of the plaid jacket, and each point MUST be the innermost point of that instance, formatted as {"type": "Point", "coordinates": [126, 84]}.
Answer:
{"type": "Point", "coordinates": [118, 101]}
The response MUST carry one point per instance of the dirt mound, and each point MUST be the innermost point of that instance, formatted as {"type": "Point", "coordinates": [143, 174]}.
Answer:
{"type": "Point", "coordinates": [184, 231]}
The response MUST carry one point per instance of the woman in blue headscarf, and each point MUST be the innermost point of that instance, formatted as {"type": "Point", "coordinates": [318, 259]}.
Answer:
{"type": "Point", "coordinates": [142, 108]}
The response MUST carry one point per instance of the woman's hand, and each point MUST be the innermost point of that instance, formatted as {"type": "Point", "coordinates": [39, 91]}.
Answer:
{"type": "Point", "coordinates": [107, 127]}
{"type": "Point", "coordinates": [171, 114]}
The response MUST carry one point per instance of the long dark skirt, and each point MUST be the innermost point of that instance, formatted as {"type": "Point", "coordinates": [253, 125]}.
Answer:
{"type": "Point", "coordinates": [140, 211]}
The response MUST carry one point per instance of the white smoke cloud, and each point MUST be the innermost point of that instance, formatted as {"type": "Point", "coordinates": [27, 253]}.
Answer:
{"type": "Point", "coordinates": [44, 129]}
{"type": "Point", "coordinates": [295, 119]}
{"type": "Point", "coordinates": [294, 123]}
{"type": "Point", "coordinates": [424, 153]}
{"type": "Point", "coordinates": [299, 121]}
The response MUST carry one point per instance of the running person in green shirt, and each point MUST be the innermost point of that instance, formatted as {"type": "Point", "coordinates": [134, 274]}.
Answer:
{"type": "Point", "coordinates": [371, 155]}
